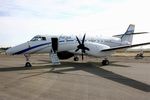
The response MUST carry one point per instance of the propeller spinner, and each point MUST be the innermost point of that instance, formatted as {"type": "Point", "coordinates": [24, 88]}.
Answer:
{"type": "Point", "coordinates": [82, 46]}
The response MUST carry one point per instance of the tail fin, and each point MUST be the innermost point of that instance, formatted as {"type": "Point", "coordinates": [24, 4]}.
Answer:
{"type": "Point", "coordinates": [128, 35]}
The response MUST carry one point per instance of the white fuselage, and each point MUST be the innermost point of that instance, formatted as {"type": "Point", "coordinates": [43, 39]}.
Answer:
{"type": "Point", "coordinates": [67, 43]}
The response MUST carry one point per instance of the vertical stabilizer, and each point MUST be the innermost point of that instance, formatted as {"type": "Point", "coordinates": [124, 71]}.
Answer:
{"type": "Point", "coordinates": [128, 35]}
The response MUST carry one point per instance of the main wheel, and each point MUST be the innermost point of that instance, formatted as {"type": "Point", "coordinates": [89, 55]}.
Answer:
{"type": "Point", "coordinates": [28, 64]}
{"type": "Point", "coordinates": [105, 62]}
{"type": "Point", "coordinates": [76, 58]}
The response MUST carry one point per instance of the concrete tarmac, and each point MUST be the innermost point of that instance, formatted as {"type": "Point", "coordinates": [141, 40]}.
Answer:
{"type": "Point", "coordinates": [124, 79]}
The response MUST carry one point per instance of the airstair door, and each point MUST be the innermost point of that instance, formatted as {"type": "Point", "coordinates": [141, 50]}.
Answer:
{"type": "Point", "coordinates": [53, 54]}
{"type": "Point", "coordinates": [54, 44]}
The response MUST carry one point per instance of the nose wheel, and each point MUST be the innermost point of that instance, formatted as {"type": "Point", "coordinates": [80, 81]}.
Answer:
{"type": "Point", "coordinates": [27, 64]}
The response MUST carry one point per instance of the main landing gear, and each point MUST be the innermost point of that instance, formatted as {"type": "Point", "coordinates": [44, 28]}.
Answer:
{"type": "Point", "coordinates": [28, 64]}
{"type": "Point", "coordinates": [105, 62]}
{"type": "Point", "coordinates": [76, 58]}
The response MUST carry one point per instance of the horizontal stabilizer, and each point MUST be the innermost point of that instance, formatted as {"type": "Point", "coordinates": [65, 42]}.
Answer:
{"type": "Point", "coordinates": [131, 34]}
{"type": "Point", "coordinates": [123, 47]}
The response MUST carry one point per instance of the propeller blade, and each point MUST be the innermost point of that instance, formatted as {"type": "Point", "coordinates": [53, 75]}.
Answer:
{"type": "Point", "coordinates": [77, 50]}
{"type": "Point", "coordinates": [82, 56]}
{"type": "Point", "coordinates": [78, 40]}
{"type": "Point", "coordinates": [83, 39]}
{"type": "Point", "coordinates": [85, 48]}
{"type": "Point", "coordinates": [82, 46]}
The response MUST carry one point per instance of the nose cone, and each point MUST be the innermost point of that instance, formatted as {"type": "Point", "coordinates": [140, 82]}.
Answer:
{"type": "Point", "coordinates": [19, 49]}
{"type": "Point", "coordinates": [9, 51]}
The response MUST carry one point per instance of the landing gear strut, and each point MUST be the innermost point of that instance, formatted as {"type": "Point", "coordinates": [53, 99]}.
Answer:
{"type": "Point", "coordinates": [28, 64]}
{"type": "Point", "coordinates": [76, 58]}
{"type": "Point", "coordinates": [105, 62]}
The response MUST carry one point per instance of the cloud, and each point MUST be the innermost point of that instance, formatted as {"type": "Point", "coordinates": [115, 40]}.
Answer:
{"type": "Point", "coordinates": [52, 8]}
{"type": "Point", "coordinates": [22, 19]}
{"type": "Point", "coordinates": [2, 13]}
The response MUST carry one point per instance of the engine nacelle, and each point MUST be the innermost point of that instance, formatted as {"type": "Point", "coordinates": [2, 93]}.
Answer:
{"type": "Point", "coordinates": [95, 49]}
{"type": "Point", "coordinates": [64, 55]}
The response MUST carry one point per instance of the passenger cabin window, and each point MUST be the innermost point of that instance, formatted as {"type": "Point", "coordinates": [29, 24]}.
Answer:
{"type": "Point", "coordinates": [38, 38]}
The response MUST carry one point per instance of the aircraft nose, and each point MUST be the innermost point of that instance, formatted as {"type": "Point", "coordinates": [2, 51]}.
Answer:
{"type": "Point", "coordinates": [9, 51]}
{"type": "Point", "coordinates": [19, 49]}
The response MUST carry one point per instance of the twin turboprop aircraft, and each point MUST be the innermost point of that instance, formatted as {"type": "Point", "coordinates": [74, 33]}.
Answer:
{"type": "Point", "coordinates": [64, 47]}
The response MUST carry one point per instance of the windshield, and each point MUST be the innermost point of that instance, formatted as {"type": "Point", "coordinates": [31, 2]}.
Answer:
{"type": "Point", "coordinates": [38, 38]}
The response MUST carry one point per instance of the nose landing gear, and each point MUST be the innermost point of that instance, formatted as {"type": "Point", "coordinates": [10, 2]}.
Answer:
{"type": "Point", "coordinates": [27, 64]}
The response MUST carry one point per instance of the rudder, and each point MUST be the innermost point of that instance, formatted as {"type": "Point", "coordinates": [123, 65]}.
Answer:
{"type": "Point", "coordinates": [128, 36]}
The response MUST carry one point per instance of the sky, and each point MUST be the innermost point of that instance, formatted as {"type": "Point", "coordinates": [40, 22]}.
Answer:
{"type": "Point", "coordinates": [20, 20]}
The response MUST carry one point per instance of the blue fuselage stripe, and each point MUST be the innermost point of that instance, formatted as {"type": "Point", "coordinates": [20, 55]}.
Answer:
{"type": "Point", "coordinates": [30, 48]}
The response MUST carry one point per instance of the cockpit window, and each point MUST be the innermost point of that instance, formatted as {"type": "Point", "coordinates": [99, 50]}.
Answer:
{"type": "Point", "coordinates": [38, 38]}
{"type": "Point", "coordinates": [43, 38]}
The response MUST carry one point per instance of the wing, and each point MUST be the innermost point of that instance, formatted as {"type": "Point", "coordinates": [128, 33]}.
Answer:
{"type": "Point", "coordinates": [123, 47]}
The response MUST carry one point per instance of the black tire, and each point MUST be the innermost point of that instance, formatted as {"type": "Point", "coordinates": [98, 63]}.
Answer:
{"type": "Point", "coordinates": [28, 64]}
{"type": "Point", "coordinates": [76, 58]}
{"type": "Point", "coordinates": [105, 62]}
